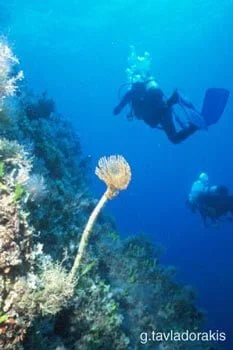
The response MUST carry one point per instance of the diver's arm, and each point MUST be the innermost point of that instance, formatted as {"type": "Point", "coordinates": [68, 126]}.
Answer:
{"type": "Point", "coordinates": [125, 100]}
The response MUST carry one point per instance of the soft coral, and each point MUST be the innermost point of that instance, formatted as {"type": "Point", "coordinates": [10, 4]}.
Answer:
{"type": "Point", "coordinates": [8, 80]}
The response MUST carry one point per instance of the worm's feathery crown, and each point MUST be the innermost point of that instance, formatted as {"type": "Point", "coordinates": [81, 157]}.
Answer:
{"type": "Point", "coordinates": [115, 172]}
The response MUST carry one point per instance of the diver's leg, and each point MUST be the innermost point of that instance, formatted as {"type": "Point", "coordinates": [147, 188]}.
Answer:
{"type": "Point", "coordinates": [174, 136]}
{"type": "Point", "coordinates": [185, 133]}
{"type": "Point", "coordinates": [168, 126]}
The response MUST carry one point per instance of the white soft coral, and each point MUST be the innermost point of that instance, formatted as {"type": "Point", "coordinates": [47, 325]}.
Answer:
{"type": "Point", "coordinates": [8, 80]}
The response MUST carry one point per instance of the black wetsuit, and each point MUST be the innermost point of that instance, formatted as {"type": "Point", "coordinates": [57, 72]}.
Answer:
{"type": "Point", "coordinates": [150, 105]}
{"type": "Point", "coordinates": [214, 205]}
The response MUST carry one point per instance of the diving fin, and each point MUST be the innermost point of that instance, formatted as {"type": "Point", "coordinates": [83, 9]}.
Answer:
{"type": "Point", "coordinates": [214, 105]}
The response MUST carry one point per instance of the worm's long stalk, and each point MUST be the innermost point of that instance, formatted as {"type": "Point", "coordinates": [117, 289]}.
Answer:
{"type": "Point", "coordinates": [86, 233]}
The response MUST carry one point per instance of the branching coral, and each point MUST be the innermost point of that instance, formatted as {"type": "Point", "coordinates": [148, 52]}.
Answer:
{"type": "Point", "coordinates": [17, 162]}
{"type": "Point", "coordinates": [116, 173]}
{"type": "Point", "coordinates": [56, 288]}
{"type": "Point", "coordinates": [46, 293]}
{"type": "Point", "coordinates": [8, 81]}
{"type": "Point", "coordinates": [31, 295]}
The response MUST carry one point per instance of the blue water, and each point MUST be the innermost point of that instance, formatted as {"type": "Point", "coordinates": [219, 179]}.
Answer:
{"type": "Point", "coordinates": [77, 51]}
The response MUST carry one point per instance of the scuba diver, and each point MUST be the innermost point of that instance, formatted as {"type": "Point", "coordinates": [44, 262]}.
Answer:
{"type": "Point", "coordinates": [148, 103]}
{"type": "Point", "coordinates": [213, 203]}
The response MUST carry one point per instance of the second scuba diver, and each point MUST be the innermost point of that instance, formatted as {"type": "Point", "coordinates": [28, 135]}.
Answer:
{"type": "Point", "coordinates": [212, 202]}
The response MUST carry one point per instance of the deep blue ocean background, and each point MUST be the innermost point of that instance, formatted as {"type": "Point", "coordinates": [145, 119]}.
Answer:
{"type": "Point", "coordinates": [77, 50]}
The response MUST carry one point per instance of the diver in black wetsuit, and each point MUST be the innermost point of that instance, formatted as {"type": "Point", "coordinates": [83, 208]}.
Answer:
{"type": "Point", "coordinates": [213, 204]}
{"type": "Point", "coordinates": [148, 103]}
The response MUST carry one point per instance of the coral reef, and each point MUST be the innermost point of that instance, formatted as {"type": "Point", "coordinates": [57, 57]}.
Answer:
{"type": "Point", "coordinates": [121, 289]}
{"type": "Point", "coordinates": [24, 293]}
{"type": "Point", "coordinates": [147, 294]}
{"type": "Point", "coordinates": [15, 251]}
{"type": "Point", "coordinates": [27, 287]}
